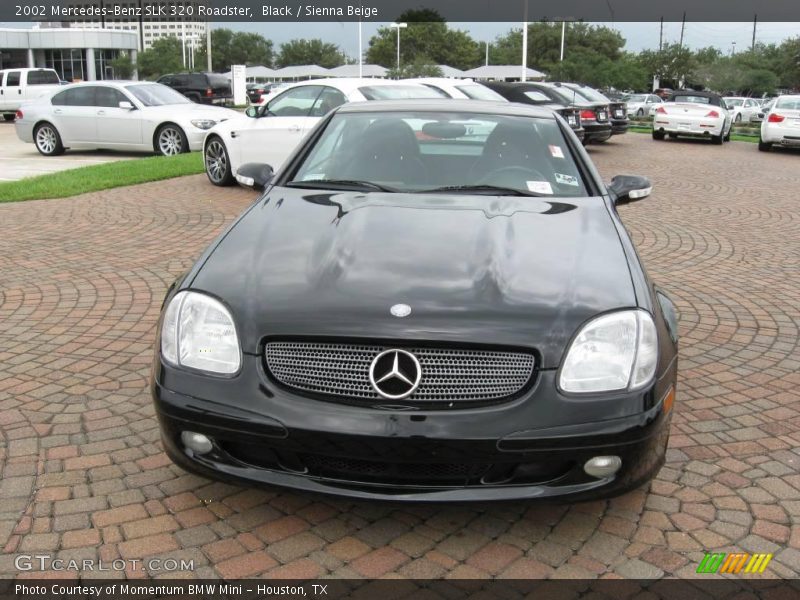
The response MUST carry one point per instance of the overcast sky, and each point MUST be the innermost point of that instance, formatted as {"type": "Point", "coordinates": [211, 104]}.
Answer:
{"type": "Point", "coordinates": [639, 36]}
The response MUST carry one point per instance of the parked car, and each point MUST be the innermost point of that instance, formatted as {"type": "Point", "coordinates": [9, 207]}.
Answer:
{"type": "Point", "coordinates": [270, 132]}
{"type": "Point", "coordinates": [117, 115]}
{"type": "Point", "coordinates": [693, 114]}
{"type": "Point", "coordinates": [641, 105]}
{"type": "Point", "coordinates": [528, 93]}
{"type": "Point", "coordinates": [259, 93]}
{"type": "Point", "coordinates": [18, 86]}
{"type": "Point", "coordinates": [617, 111]}
{"type": "Point", "coordinates": [594, 115]}
{"type": "Point", "coordinates": [413, 313]}
{"type": "Point", "coordinates": [742, 109]}
{"type": "Point", "coordinates": [782, 125]}
{"type": "Point", "coordinates": [203, 88]}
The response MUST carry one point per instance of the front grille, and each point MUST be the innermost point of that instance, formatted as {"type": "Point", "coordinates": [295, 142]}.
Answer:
{"type": "Point", "coordinates": [352, 469]}
{"type": "Point", "coordinates": [341, 372]}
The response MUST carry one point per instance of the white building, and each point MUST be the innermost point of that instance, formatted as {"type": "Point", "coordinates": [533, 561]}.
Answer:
{"type": "Point", "coordinates": [147, 31]}
{"type": "Point", "coordinates": [75, 54]}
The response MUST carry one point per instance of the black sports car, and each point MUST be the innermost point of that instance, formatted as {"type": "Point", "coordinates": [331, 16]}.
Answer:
{"type": "Point", "coordinates": [433, 301]}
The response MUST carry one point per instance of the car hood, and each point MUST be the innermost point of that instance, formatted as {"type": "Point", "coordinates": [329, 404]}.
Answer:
{"type": "Point", "coordinates": [192, 111]}
{"type": "Point", "coordinates": [517, 271]}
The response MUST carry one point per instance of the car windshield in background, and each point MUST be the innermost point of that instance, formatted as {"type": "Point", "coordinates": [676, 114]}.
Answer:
{"type": "Point", "coordinates": [734, 102]}
{"type": "Point", "coordinates": [567, 95]}
{"type": "Point", "coordinates": [692, 99]}
{"type": "Point", "coordinates": [43, 77]}
{"type": "Point", "coordinates": [155, 94]}
{"type": "Point", "coordinates": [399, 92]}
{"type": "Point", "coordinates": [637, 98]}
{"type": "Point", "coordinates": [590, 94]}
{"type": "Point", "coordinates": [480, 92]}
{"type": "Point", "coordinates": [442, 152]}
{"type": "Point", "coordinates": [789, 103]}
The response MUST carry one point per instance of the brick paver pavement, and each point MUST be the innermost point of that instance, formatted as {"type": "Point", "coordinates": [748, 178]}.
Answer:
{"type": "Point", "coordinates": [83, 474]}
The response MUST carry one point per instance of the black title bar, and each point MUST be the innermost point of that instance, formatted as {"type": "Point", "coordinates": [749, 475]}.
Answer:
{"type": "Point", "coordinates": [390, 10]}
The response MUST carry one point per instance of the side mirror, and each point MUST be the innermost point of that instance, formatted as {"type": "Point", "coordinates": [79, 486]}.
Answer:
{"type": "Point", "coordinates": [252, 112]}
{"type": "Point", "coordinates": [254, 175]}
{"type": "Point", "coordinates": [126, 105]}
{"type": "Point", "coordinates": [627, 188]}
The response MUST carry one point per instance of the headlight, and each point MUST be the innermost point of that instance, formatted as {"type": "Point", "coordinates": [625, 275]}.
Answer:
{"type": "Point", "coordinates": [617, 351]}
{"type": "Point", "coordinates": [198, 332]}
{"type": "Point", "coordinates": [204, 123]}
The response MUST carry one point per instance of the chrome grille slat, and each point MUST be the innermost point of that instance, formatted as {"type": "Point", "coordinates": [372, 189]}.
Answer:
{"type": "Point", "coordinates": [341, 371]}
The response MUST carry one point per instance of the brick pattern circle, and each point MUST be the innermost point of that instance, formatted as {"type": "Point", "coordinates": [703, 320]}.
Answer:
{"type": "Point", "coordinates": [83, 474]}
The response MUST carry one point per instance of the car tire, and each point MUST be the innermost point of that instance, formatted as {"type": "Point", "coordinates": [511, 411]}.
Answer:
{"type": "Point", "coordinates": [717, 139]}
{"type": "Point", "coordinates": [764, 146]}
{"type": "Point", "coordinates": [658, 135]}
{"type": "Point", "coordinates": [217, 162]}
{"type": "Point", "coordinates": [9, 116]}
{"type": "Point", "coordinates": [727, 137]}
{"type": "Point", "coordinates": [47, 139]}
{"type": "Point", "coordinates": [170, 140]}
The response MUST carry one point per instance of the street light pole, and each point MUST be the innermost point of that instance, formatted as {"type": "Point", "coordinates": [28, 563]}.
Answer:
{"type": "Point", "coordinates": [398, 26]}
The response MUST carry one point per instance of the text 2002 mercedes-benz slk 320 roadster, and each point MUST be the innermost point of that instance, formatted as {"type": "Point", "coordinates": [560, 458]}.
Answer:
{"type": "Point", "coordinates": [432, 300]}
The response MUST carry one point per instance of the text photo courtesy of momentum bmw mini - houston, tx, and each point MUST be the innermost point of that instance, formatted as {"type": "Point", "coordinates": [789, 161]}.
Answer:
{"type": "Point", "coordinates": [414, 299]}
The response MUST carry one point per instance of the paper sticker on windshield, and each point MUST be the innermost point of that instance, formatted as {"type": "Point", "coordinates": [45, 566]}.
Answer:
{"type": "Point", "coordinates": [566, 179]}
{"type": "Point", "coordinates": [556, 151]}
{"type": "Point", "coordinates": [540, 187]}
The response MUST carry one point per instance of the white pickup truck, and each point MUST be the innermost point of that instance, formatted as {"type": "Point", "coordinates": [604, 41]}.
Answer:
{"type": "Point", "coordinates": [21, 85]}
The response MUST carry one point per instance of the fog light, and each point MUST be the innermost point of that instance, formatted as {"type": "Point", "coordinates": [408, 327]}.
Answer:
{"type": "Point", "coordinates": [196, 442]}
{"type": "Point", "coordinates": [602, 466]}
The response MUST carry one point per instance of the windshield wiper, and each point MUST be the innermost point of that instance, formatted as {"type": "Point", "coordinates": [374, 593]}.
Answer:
{"type": "Point", "coordinates": [351, 184]}
{"type": "Point", "coordinates": [497, 189]}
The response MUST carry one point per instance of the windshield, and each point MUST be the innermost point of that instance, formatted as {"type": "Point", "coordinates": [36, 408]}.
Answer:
{"type": "Point", "coordinates": [567, 95]}
{"type": "Point", "coordinates": [733, 101]}
{"type": "Point", "coordinates": [589, 94]}
{"type": "Point", "coordinates": [637, 98]}
{"type": "Point", "coordinates": [442, 152]}
{"type": "Point", "coordinates": [692, 99]}
{"type": "Point", "coordinates": [789, 103]}
{"type": "Point", "coordinates": [155, 94]}
{"type": "Point", "coordinates": [477, 91]}
{"type": "Point", "coordinates": [400, 92]}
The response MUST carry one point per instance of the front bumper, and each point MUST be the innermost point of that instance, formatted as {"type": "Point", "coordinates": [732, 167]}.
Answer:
{"type": "Point", "coordinates": [271, 437]}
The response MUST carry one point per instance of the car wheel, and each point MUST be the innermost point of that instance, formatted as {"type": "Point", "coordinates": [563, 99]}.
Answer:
{"type": "Point", "coordinates": [658, 135]}
{"type": "Point", "coordinates": [170, 140]}
{"type": "Point", "coordinates": [727, 137]}
{"type": "Point", "coordinates": [218, 164]}
{"type": "Point", "coordinates": [764, 146]}
{"type": "Point", "coordinates": [717, 139]}
{"type": "Point", "coordinates": [8, 117]}
{"type": "Point", "coordinates": [48, 140]}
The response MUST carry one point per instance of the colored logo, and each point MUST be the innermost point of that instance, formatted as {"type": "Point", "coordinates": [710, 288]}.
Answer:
{"type": "Point", "coordinates": [734, 562]}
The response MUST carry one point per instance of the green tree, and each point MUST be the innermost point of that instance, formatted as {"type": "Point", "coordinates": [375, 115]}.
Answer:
{"type": "Point", "coordinates": [310, 52]}
{"type": "Point", "coordinates": [164, 56]}
{"type": "Point", "coordinates": [427, 36]}
{"type": "Point", "coordinates": [421, 66]}
{"type": "Point", "coordinates": [123, 66]}
{"type": "Point", "coordinates": [235, 48]}
{"type": "Point", "coordinates": [673, 65]}
{"type": "Point", "coordinates": [597, 44]}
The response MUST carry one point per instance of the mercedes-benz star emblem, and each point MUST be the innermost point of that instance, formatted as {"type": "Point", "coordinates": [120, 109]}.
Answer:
{"type": "Point", "coordinates": [395, 374]}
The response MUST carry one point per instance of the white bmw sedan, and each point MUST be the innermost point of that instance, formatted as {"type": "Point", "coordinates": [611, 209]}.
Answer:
{"type": "Point", "coordinates": [782, 125]}
{"type": "Point", "coordinates": [117, 115]}
{"type": "Point", "coordinates": [268, 134]}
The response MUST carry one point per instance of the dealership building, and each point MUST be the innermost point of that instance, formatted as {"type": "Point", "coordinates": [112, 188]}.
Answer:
{"type": "Point", "coordinates": [75, 54]}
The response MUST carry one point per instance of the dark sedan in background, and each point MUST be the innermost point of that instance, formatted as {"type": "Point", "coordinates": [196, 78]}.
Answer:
{"type": "Point", "coordinates": [617, 109]}
{"type": "Point", "coordinates": [527, 93]}
{"type": "Point", "coordinates": [433, 300]}
{"type": "Point", "coordinates": [593, 115]}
